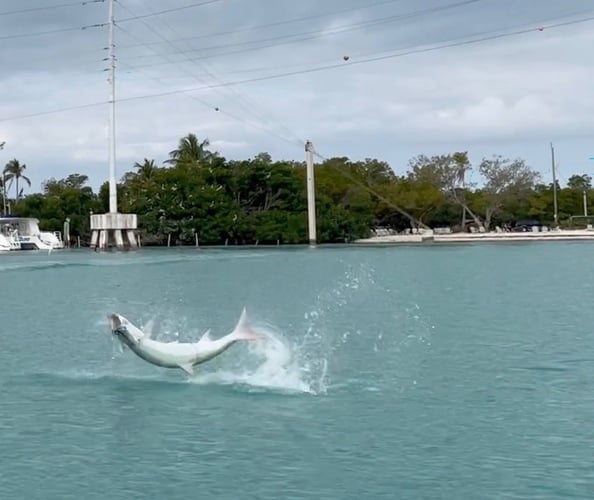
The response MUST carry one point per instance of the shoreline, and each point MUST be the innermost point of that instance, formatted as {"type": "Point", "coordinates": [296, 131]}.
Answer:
{"type": "Point", "coordinates": [429, 237]}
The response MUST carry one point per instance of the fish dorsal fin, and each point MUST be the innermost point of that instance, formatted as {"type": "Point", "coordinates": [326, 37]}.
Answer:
{"type": "Point", "coordinates": [206, 336]}
{"type": "Point", "coordinates": [148, 329]}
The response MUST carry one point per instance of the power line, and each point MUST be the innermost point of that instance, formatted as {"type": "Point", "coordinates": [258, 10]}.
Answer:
{"type": "Point", "coordinates": [51, 32]}
{"type": "Point", "coordinates": [313, 70]}
{"type": "Point", "coordinates": [211, 75]}
{"type": "Point", "coordinates": [537, 22]}
{"type": "Point", "coordinates": [48, 7]}
{"type": "Point", "coordinates": [249, 49]}
{"type": "Point", "coordinates": [239, 30]}
{"type": "Point", "coordinates": [232, 116]}
{"type": "Point", "coordinates": [57, 30]}
{"type": "Point", "coordinates": [320, 33]}
{"type": "Point", "coordinates": [131, 35]}
{"type": "Point", "coordinates": [407, 47]}
{"type": "Point", "coordinates": [167, 11]}
{"type": "Point", "coordinates": [381, 197]}
{"type": "Point", "coordinates": [355, 54]}
{"type": "Point", "coordinates": [384, 57]}
{"type": "Point", "coordinates": [275, 23]}
{"type": "Point", "coordinates": [60, 110]}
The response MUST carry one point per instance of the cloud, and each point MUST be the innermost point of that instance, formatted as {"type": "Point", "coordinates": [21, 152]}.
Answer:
{"type": "Point", "coordinates": [509, 95]}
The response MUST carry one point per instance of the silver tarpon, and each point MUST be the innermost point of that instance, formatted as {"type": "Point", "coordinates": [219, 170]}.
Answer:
{"type": "Point", "coordinates": [184, 355]}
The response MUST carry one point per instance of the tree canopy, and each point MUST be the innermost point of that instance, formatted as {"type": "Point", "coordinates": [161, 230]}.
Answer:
{"type": "Point", "coordinates": [199, 192]}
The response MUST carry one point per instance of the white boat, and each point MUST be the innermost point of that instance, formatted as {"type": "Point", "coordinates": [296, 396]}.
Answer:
{"type": "Point", "coordinates": [9, 238]}
{"type": "Point", "coordinates": [22, 233]}
{"type": "Point", "coordinates": [9, 242]}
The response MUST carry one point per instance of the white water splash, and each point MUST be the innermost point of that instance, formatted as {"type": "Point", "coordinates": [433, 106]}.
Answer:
{"type": "Point", "coordinates": [277, 372]}
{"type": "Point", "coordinates": [302, 363]}
{"type": "Point", "coordinates": [273, 364]}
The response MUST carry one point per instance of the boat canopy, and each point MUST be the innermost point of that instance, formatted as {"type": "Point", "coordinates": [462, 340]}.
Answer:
{"type": "Point", "coordinates": [24, 225]}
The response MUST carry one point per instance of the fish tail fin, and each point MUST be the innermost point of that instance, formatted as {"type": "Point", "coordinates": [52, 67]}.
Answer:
{"type": "Point", "coordinates": [243, 330]}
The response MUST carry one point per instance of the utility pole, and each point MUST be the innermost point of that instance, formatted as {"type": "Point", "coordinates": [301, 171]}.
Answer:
{"type": "Point", "coordinates": [464, 207]}
{"type": "Point", "coordinates": [112, 229]}
{"type": "Point", "coordinates": [311, 193]}
{"type": "Point", "coordinates": [3, 184]}
{"type": "Point", "coordinates": [113, 195]}
{"type": "Point", "coordinates": [555, 212]}
{"type": "Point", "coordinates": [586, 195]}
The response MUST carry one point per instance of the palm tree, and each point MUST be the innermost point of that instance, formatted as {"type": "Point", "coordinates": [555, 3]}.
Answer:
{"type": "Point", "coordinates": [146, 169]}
{"type": "Point", "coordinates": [15, 171]}
{"type": "Point", "coordinates": [190, 150]}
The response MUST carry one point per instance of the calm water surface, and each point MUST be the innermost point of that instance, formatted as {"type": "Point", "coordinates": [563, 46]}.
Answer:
{"type": "Point", "coordinates": [459, 372]}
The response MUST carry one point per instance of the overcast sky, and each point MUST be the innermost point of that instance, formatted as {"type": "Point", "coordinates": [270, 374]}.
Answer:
{"type": "Point", "coordinates": [510, 95]}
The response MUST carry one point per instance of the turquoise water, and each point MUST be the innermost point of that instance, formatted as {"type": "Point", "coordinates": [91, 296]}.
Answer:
{"type": "Point", "coordinates": [458, 372]}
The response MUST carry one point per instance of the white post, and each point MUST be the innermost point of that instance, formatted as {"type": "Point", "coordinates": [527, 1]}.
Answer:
{"type": "Point", "coordinates": [3, 193]}
{"type": "Point", "coordinates": [3, 184]}
{"type": "Point", "coordinates": [113, 195]}
{"type": "Point", "coordinates": [586, 195]}
{"type": "Point", "coordinates": [311, 193]}
{"type": "Point", "coordinates": [555, 210]}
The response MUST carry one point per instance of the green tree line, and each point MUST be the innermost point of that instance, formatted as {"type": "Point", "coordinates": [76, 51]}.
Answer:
{"type": "Point", "coordinates": [198, 191]}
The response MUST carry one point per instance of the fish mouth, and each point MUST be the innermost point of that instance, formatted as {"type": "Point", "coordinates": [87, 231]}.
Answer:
{"type": "Point", "coordinates": [114, 321]}
{"type": "Point", "coordinates": [116, 325]}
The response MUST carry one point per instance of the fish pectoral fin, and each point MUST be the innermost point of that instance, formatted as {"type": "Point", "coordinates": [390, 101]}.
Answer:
{"type": "Point", "coordinates": [188, 368]}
